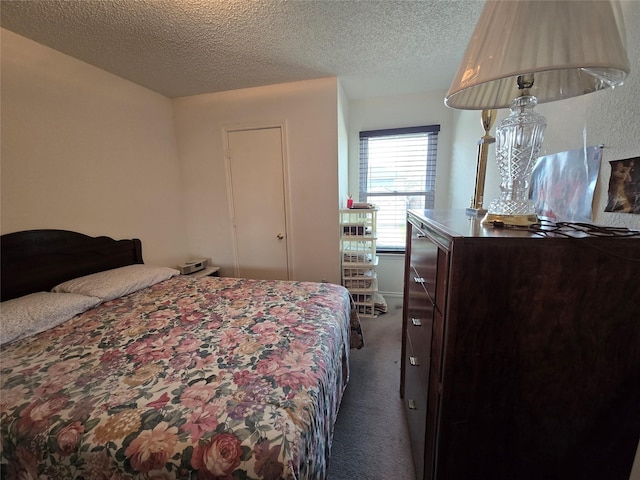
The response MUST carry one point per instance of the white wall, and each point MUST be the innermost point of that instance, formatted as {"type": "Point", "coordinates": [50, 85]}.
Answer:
{"type": "Point", "coordinates": [343, 147]}
{"type": "Point", "coordinates": [402, 111]}
{"type": "Point", "coordinates": [395, 112]}
{"type": "Point", "coordinates": [310, 111]}
{"type": "Point", "coordinates": [87, 151]}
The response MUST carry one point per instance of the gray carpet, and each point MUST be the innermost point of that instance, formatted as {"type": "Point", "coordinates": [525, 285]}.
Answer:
{"type": "Point", "coordinates": [371, 440]}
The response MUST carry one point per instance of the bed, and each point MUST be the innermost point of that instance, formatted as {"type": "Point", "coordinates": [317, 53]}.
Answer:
{"type": "Point", "coordinates": [158, 375]}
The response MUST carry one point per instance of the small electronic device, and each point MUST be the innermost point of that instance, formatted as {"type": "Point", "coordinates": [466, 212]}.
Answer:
{"type": "Point", "coordinates": [193, 266]}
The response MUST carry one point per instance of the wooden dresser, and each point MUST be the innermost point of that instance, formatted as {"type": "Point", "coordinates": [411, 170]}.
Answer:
{"type": "Point", "coordinates": [520, 352]}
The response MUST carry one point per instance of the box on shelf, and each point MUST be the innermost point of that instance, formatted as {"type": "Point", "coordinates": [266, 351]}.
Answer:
{"type": "Point", "coordinates": [360, 230]}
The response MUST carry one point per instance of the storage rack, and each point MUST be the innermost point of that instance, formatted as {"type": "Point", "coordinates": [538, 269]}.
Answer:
{"type": "Point", "coordinates": [358, 257]}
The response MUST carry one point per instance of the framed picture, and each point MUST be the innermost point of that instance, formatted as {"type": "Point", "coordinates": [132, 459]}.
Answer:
{"type": "Point", "coordinates": [624, 186]}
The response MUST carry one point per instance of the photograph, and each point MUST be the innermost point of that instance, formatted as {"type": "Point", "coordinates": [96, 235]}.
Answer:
{"type": "Point", "coordinates": [624, 186]}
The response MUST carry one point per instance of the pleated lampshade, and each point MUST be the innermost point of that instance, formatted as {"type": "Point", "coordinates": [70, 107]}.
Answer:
{"type": "Point", "coordinates": [572, 47]}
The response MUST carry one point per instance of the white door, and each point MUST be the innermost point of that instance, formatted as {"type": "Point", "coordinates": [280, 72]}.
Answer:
{"type": "Point", "coordinates": [256, 171]}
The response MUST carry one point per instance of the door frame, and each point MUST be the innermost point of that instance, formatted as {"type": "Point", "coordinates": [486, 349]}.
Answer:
{"type": "Point", "coordinates": [282, 125]}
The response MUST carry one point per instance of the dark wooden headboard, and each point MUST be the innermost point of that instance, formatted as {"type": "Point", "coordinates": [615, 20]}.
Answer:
{"type": "Point", "coordinates": [38, 260]}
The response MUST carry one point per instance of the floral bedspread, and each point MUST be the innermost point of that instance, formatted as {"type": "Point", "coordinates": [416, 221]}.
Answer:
{"type": "Point", "coordinates": [211, 378]}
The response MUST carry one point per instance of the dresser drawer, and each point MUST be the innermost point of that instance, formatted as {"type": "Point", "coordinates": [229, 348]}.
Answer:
{"type": "Point", "coordinates": [417, 290]}
{"type": "Point", "coordinates": [418, 351]}
{"type": "Point", "coordinates": [416, 413]}
{"type": "Point", "coordinates": [415, 406]}
{"type": "Point", "coordinates": [416, 379]}
{"type": "Point", "coordinates": [424, 260]}
{"type": "Point", "coordinates": [417, 286]}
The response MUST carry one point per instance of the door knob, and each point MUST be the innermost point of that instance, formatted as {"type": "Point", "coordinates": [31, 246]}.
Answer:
{"type": "Point", "coordinates": [279, 236]}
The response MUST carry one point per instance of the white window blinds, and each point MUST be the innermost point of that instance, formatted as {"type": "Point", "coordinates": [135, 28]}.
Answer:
{"type": "Point", "coordinates": [397, 172]}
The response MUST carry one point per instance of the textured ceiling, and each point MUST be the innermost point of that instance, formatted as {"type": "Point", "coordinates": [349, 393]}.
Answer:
{"type": "Point", "coordinates": [188, 47]}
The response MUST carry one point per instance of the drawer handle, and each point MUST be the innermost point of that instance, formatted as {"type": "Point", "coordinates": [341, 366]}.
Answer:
{"type": "Point", "coordinates": [418, 279]}
{"type": "Point", "coordinates": [412, 405]}
{"type": "Point", "coordinates": [416, 322]}
{"type": "Point", "coordinates": [413, 361]}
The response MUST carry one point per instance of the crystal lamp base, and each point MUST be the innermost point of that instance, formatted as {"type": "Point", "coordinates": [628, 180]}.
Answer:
{"type": "Point", "coordinates": [518, 141]}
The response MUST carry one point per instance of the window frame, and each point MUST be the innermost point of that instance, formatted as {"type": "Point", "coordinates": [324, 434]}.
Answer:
{"type": "Point", "coordinates": [432, 132]}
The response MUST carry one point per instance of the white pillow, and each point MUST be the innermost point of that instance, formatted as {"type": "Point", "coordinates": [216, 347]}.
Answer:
{"type": "Point", "coordinates": [118, 282]}
{"type": "Point", "coordinates": [37, 312]}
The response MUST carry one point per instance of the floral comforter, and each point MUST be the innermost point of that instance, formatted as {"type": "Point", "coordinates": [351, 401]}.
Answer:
{"type": "Point", "coordinates": [212, 378]}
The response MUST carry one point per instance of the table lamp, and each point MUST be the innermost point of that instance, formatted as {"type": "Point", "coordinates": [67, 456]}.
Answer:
{"type": "Point", "coordinates": [476, 208]}
{"type": "Point", "coordinates": [527, 52]}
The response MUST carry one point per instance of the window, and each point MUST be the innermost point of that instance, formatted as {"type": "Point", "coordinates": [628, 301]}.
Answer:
{"type": "Point", "coordinates": [397, 172]}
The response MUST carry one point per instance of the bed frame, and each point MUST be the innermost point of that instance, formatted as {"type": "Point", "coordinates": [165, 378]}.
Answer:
{"type": "Point", "coordinates": [38, 260]}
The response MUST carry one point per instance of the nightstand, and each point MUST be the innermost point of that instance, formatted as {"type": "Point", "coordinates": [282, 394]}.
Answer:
{"type": "Point", "coordinates": [205, 272]}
